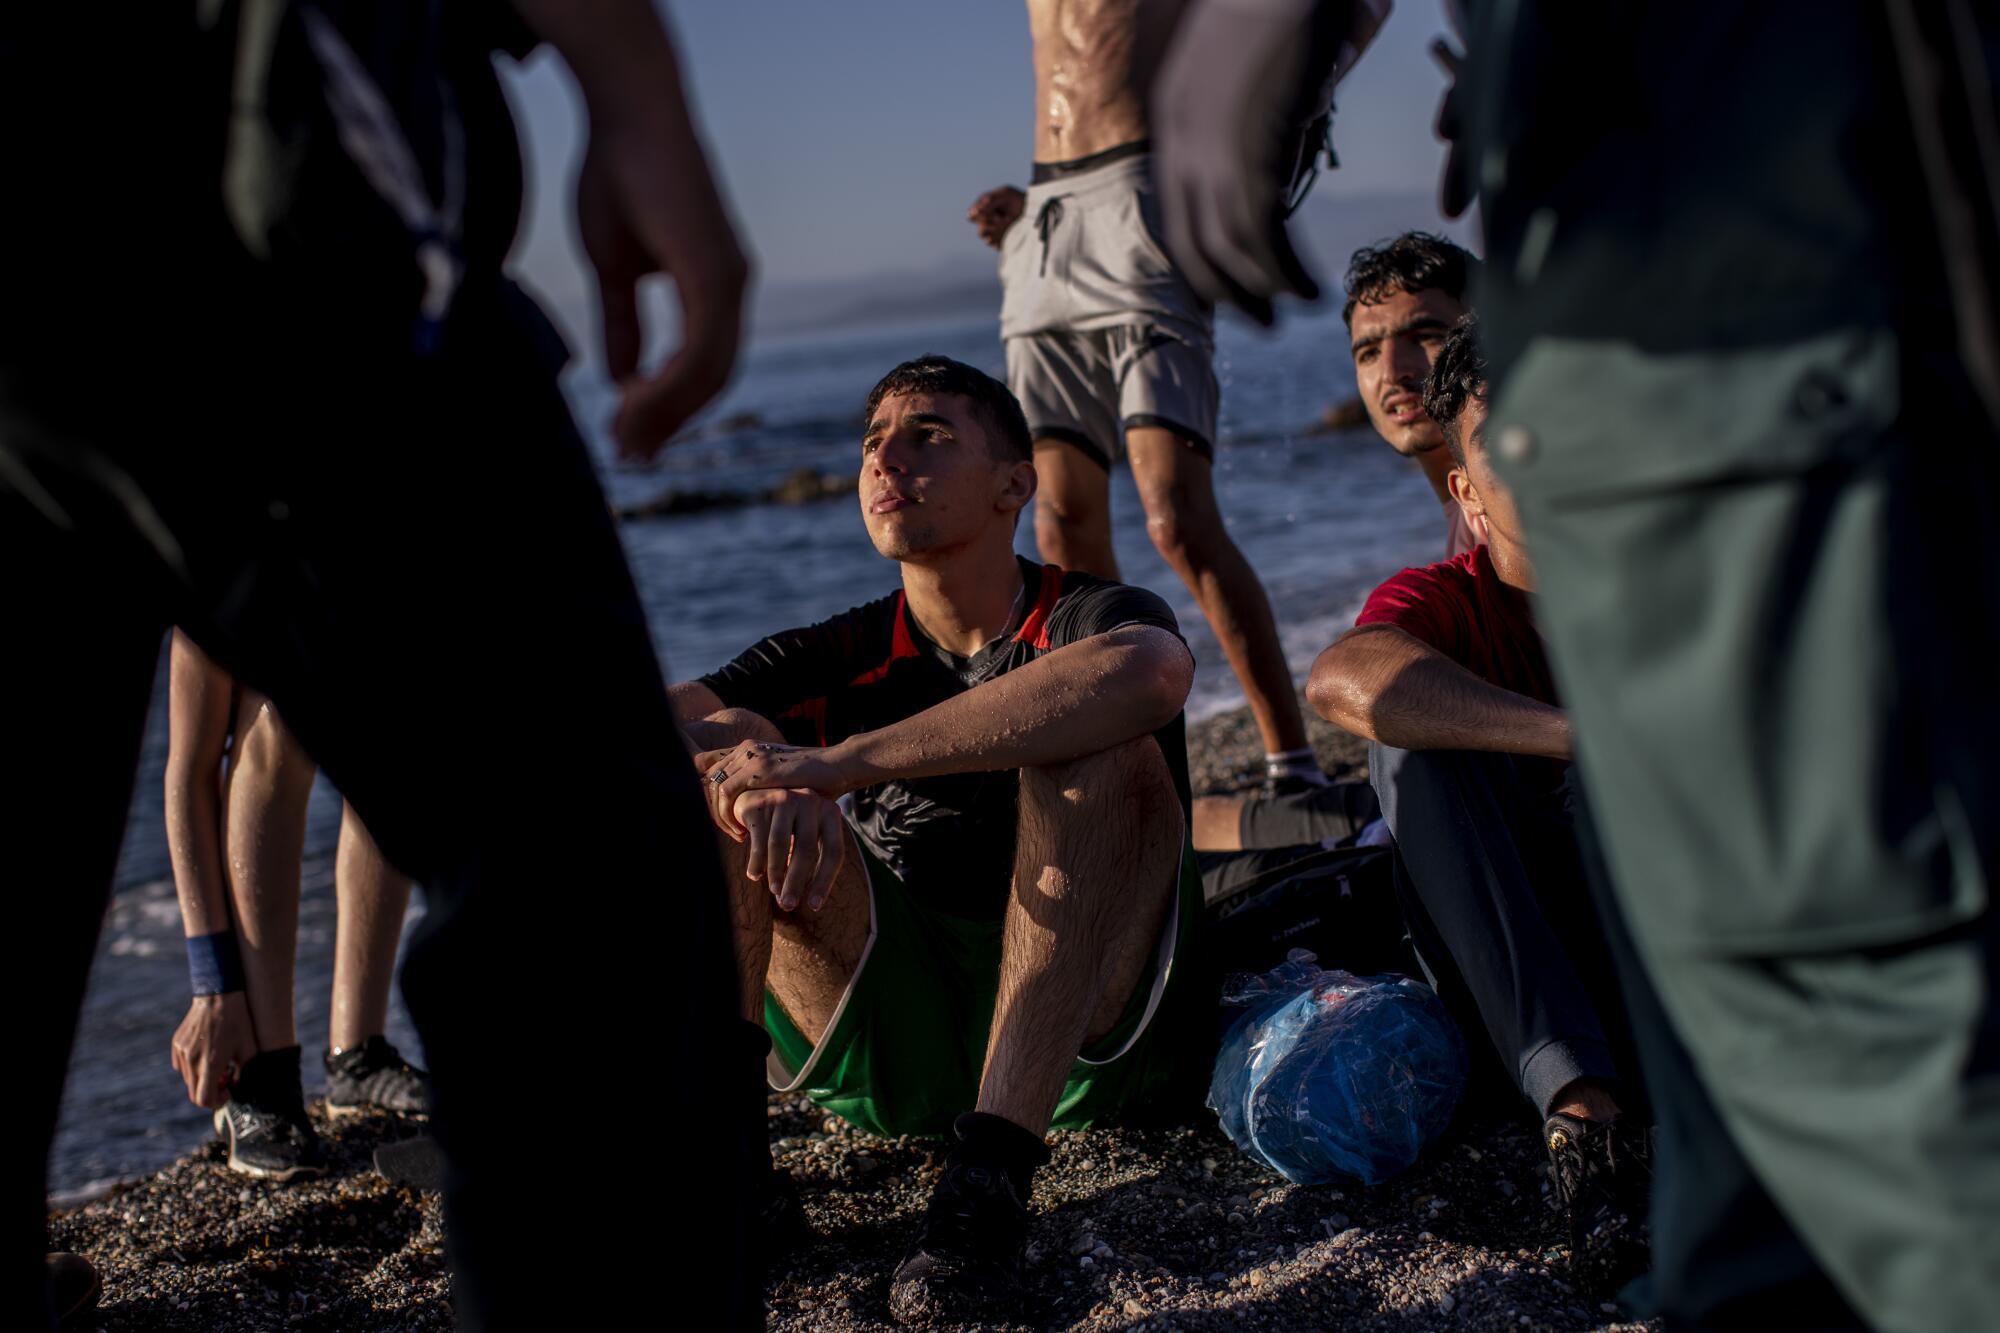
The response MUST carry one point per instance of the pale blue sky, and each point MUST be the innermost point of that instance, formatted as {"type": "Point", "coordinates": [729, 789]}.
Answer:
{"type": "Point", "coordinates": [852, 134]}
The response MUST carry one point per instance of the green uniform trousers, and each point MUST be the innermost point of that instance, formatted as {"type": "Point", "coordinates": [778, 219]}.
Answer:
{"type": "Point", "coordinates": [1770, 578]}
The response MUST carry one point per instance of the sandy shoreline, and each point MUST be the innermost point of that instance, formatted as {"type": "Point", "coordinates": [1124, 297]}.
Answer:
{"type": "Point", "coordinates": [1136, 1228]}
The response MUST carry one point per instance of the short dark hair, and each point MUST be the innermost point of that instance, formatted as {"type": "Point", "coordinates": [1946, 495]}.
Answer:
{"type": "Point", "coordinates": [1457, 376]}
{"type": "Point", "coordinates": [1415, 261]}
{"type": "Point", "coordinates": [997, 409]}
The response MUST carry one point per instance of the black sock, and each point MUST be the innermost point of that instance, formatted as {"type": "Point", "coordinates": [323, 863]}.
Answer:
{"type": "Point", "coordinates": [992, 1140]}
{"type": "Point", "coordinates": [270, 1080]}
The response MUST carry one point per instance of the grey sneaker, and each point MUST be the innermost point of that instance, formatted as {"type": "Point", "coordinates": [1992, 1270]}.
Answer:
{"type": "Point", "coordinates": [373, 1077]}
{"type": "Point", "coordinates": [264, 1122]}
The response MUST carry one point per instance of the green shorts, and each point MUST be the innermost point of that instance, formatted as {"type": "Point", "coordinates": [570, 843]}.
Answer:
{"type": "Point", "coordinates": [906, 1045]}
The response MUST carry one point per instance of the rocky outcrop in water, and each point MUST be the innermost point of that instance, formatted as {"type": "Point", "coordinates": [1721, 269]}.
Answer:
{"type": "Point", "coordinates": [805, 486]}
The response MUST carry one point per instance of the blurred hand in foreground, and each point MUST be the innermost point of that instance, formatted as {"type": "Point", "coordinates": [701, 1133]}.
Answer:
{"type": "Point", "coordinates": [995, 211]}
{"type": "Point", "coordinates": [212, 1043]}
{"type": "Point", "coordinates": [647, 203]}
{"type": "Point", "coordinates": [1225, 113]}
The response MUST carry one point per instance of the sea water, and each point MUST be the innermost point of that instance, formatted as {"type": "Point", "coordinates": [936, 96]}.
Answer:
{"type": "Point", "coordinates": [1322, 517]}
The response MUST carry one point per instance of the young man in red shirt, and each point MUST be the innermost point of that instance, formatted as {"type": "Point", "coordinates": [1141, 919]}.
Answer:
{"type": "Point", "coordinates": [980, 943]}
{"type": "Point", "coordinates": [1444, 672]}
{"type": "Point", "coordinates": [1403, 297]}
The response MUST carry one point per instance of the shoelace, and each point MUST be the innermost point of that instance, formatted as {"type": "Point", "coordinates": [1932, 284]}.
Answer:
{"type": "Point", "coordinates": [275, 1121]}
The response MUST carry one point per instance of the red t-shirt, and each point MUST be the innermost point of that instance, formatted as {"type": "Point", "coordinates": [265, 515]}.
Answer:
{"type": "Point", "coordinates": [1461, 608]}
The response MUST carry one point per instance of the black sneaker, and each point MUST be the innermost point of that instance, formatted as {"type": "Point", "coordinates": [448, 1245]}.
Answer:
{"type": "Point", "coordinates": [373, 1077]}
{"type": "Point", "coordinates": [264, 1121]}
{"type": "Point", "coordinates": [1601, 1173]}
{"type": "Point", "coordinates": [966, 1263]}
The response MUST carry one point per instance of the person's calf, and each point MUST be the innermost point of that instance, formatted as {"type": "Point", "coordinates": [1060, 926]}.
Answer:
{"type": "Point", "coordinates": [1096, 860]}
{"type": "Point", "coordinates": [750, 906]}
{"type": "Point", "coordinates": [1073, 509]}
{"type": "Point", "coordinates": [1072, 542]}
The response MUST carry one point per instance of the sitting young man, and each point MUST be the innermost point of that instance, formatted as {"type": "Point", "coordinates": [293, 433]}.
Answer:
{"type": "Point", "coordinates": [983, 942]}
{"type": "Point", "coordinates": [1403, 297]}
{"type": "Point", "coordinates": [1444, 672]}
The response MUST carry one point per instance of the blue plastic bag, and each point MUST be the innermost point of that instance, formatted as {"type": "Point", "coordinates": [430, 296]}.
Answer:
{"type": "Point", "coordinates": [1326, 1075]}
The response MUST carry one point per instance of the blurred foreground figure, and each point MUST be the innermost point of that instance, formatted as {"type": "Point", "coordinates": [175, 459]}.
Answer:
{"type": "Point", "coordinates": [1742, 268]}
{"type": "Point", "coordinates": [261, 376]}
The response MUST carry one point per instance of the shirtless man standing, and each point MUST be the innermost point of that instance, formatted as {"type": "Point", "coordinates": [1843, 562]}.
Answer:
{"type": "Point", "coordinates": [1109, 350]}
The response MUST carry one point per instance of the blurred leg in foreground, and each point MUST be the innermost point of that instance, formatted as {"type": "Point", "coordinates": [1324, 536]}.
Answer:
{"type": "Point", "coordinates": [1774, 603]}
{"type": "Point", "coordinates": [324, 435]}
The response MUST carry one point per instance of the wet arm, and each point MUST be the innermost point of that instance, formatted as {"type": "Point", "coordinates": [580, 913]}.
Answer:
{"type": "Point", "coordinates": [1386, 685]}
{"type": "Point", "coordinates": [1078, 700]}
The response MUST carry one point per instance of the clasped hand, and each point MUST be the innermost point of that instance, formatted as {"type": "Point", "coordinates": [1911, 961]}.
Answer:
{"type": "Point", "coordinates": [781, 800]}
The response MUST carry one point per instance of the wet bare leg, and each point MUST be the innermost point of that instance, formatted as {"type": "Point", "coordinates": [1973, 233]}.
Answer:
{"type": "Point", "coordinates": [264, 837]}
{"type": "Point", "coordinates": [1178, 492]}
{"type": "Point", "coordinates": [1094, 878]}
{"type": "Point", "coordinates": [805, 958]}
{"type": "Point", "coordinates": [370, 897]}
{"type": "Point", "coordinates": [1073, 510]}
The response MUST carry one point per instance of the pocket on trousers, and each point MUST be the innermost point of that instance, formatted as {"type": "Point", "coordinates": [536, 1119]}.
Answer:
{"type": "Point", "coordinates": [1723, 542]}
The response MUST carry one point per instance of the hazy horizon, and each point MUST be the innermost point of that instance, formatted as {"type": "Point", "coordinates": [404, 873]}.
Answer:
{"type": "Point", "coordinates": [850, 140]}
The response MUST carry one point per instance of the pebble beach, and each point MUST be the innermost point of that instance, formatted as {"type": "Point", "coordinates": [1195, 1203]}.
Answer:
{"type": "Point", "coordinates": [1154, 1228]}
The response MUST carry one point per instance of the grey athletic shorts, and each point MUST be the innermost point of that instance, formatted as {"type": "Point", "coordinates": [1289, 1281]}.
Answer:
{"type": "Point", "coordinates": [1101, 330]}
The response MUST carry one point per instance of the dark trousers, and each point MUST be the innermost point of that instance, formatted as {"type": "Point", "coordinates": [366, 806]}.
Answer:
{"type": "Point", "coordinates": [413, 558]}
{"type": "Point", "coordinates": [1493, 889]}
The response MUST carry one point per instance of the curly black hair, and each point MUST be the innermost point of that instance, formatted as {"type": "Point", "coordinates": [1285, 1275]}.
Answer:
{"type": "Point", "coordinates": [1457, 376]}
{"type": "Point", "coordinates": [997, 408]}
{"type": "Point", "coordinates": [1413, 262]}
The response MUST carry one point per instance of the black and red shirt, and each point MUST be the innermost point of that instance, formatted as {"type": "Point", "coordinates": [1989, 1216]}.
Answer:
{"type": "Point", "coordinates": [950, 838]}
